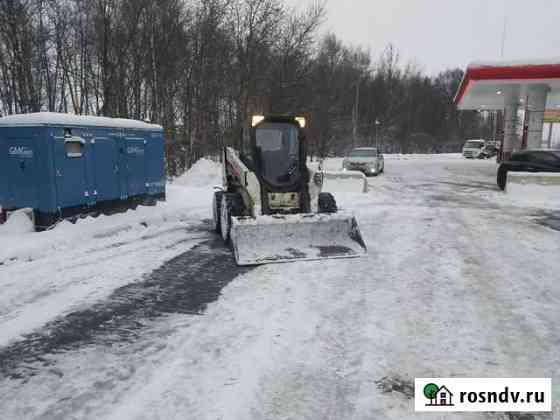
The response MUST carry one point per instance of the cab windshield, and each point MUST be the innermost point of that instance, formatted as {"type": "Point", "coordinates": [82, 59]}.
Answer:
{"type": "Point", "coordinates": [278, 153]}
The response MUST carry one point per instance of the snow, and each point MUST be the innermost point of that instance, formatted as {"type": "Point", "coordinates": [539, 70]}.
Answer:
{"type": "Point", "coordinates": [457, 283]}
{"type": "Point", "coordinates": [440, 156]}
{"type": "Point", "coordinates": [536, 177]}
{"type": "Point", "coordinates": [53, 118]}
{"type": "Point", "coordinates": [335, 164]}
{"type": "Point", "coordinates": [202, 174]}
{"type": "Point", "coordinates": [345, 181]}
{"type": "Point", "coordinates": [18, 223]}
{"type": "Point", "coordinates": [541, 190]}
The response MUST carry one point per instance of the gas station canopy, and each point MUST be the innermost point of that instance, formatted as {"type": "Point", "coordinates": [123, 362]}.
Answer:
{"type": "Point", "coordinates": [490, 85]}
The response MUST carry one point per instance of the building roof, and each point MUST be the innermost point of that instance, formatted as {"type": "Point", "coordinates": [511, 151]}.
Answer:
{"type": "Point", "coordinates": [485, 84]}
{"type": "Point", "coordinates": [57, 119]}
{"type": "Point", "coordinates": [444, 388]}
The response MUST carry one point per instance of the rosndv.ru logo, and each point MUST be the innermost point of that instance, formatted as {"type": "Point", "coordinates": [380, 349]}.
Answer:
{"type": "Point", "coordinates": [483, 394]}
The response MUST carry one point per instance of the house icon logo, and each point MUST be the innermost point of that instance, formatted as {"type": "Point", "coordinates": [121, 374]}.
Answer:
{"type": "Point", "coordinates": [438, 396]}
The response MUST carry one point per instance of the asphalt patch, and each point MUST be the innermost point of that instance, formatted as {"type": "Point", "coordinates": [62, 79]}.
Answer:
{"type": "Point", "coordinates": [183, 285]}
{"type": "Point", "coordinates": [389, 385]}
{"type": "Point", "coordinates": [334, 251]}
{"type": "Point", "coordinates": [549, 219]}
{"type": "Point", "coordinates": [482, 186]}
{"type": "Point", "coordinates": [466, 202]}
{"type": "Point", "coordinates": [529, 416]}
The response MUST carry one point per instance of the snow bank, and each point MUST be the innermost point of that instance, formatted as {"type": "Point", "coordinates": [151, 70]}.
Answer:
{"type": "Point", "coordinates": [18, 223]}
{"type": "Point", "coordinates": [188, 198]}
{"type": "Point", "coordinates": [345, 181]}
{"type": "Point", "coordinates": [534, 189]}
{"type": "Point", "coordinates": [439, 156]}
{"type": "Point", "coordinates": [204, 173]}
{"type": "Point", "coordinates": [18, 244]}
{"type": "Point", "coordinates": [335, 164]}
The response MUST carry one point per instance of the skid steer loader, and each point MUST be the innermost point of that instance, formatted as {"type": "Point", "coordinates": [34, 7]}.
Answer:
{"type": "Point", "coordinates": [271, 208]}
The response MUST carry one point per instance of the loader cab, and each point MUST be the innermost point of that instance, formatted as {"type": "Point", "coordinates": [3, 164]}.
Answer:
{"type": "Point", "coordinates": [274, 148]}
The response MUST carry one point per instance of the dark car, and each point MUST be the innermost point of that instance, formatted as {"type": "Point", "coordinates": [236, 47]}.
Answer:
{"type": "Point", "coordinates": [529, 161]}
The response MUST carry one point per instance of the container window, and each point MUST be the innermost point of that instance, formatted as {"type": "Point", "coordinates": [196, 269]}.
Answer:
{"type": "Point", "coordinates": [74, 148]}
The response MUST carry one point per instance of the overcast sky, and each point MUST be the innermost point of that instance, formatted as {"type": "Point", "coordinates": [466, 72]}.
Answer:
{"type": "Point", "coordinates": [438, 34]}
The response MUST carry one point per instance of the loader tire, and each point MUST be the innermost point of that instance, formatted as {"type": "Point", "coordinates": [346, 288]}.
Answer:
{"type": "Point", "coordinates": [216, 209]}
{"type": "Point", "coordinates": [327, 203]}
{"type": "Point", "coordinates": [231, 206]}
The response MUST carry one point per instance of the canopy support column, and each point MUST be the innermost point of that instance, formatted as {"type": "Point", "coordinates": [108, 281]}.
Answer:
{"type": "Point", "coordinates": [510, 123]}
{"type": "Point", "coordinates": [536, 106]}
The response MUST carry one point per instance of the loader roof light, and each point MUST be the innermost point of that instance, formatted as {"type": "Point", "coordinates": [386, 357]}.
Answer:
{"type": "Point", "coordinates": [257, 119]}
{"type": "Point", "coordinates": [301, 121]}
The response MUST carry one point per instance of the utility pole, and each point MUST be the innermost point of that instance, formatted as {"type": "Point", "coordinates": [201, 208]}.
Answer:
{"type": "Point", "coordinates": [504, 33]}
{"type": "Point", "coordinates": [356, 115]}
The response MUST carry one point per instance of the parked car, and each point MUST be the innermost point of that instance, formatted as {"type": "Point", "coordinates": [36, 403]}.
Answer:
{"type": "Point", "coordinates": [489, 151]}
{"type": "Point", "coordinates": [529, 161]}
{"type": "Point", "coordinates": [368, 160]}
{"type": "Point", "coordinates": [473, 148]}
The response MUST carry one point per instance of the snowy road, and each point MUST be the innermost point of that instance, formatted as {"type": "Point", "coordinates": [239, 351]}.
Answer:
{"type": "Point", "coordinates": [459, 281]}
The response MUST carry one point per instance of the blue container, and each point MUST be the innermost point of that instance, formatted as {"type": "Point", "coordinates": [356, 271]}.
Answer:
{"type": "Point", "coordinates": [64, 165]}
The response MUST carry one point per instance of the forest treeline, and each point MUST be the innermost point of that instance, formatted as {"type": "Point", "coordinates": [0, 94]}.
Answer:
{"type": "Point", "coordinates": [201, 67]}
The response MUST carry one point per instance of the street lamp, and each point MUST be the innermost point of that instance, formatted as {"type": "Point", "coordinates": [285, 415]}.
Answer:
{"type": "Point", "coordinates": [377, 124]}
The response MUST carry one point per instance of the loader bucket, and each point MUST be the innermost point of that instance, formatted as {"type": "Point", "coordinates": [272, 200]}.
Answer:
{"type": "Point", "coordinates": [286, 238]}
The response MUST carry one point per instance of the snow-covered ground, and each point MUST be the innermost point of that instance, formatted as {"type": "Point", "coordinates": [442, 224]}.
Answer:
{"type": "Point", "coordinates": [43, 276]}
{"type": "Point", "coordinates": [458, 281]}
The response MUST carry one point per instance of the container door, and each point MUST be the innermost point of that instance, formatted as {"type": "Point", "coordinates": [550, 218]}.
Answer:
{"type": "Point", "coordinates": [135, 151]}
{"type": "Point", "coordinates": [106, 168]}
{"type": "Point", "coordinates": [155, 164]}
{"type": "Point", "coordinates": [22, 172]}
{"type": "Point", "coordinates": [70, 168]}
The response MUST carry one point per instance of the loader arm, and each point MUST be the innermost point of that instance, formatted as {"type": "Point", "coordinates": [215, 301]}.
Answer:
{"type": "Point", "coordinates": [239, 178]}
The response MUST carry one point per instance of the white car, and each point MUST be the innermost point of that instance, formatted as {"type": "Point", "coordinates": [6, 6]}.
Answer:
{"type": "Point", "coordinates": [368, 160]}
{"type": "Point", "coordinates": [473, 148]}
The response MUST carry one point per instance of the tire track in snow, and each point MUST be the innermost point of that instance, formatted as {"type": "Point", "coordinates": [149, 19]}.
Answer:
{"type": "Point", "coordinates": [77, 276]}
{"type": "Point", "coordinates": [184, 285]}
